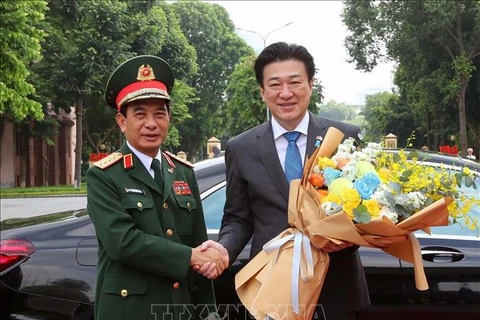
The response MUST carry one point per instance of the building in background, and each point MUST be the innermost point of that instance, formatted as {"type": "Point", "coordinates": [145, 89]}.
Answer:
{"type": "Point", "coordinates": [30, 162]}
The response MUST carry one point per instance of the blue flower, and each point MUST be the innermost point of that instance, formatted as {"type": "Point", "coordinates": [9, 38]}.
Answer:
{"type": "Point", "coordinates": [367, 184]}
{"type": "Point", "coordinates": [330, 174]}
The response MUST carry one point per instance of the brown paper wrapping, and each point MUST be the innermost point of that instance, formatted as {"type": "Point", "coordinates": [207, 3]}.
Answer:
{"type": "Point", "coordinates": [264, 284]}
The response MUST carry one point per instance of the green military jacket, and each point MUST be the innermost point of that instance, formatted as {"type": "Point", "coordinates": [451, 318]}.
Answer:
{"type": "Point", "coordinates": [145, 236]}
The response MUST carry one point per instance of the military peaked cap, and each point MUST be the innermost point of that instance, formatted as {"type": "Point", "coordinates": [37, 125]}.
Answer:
{"type": "Point", "coordinates": [140, 77]}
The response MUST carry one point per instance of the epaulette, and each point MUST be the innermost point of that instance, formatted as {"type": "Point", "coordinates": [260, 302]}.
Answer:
{"type": "Point", "coordinates": [185, 162]}
{"type": "Point", "coordinates": [108, 160]}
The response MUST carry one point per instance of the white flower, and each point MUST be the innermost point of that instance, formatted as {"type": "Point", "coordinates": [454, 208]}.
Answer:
{"type": "Point", "coordinates": [392, 216]}
{"type": "Point", "coordinates": [330, 208]}
{"type": "Point", "coordinates": [417, 199]}
{"type": "Point", "coordinates": [379, 195]}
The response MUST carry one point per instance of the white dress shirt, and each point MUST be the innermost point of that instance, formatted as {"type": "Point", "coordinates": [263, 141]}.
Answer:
{"type": "Point", "coordinates": [146, 160]}
{"type": "Point", "coordinates": [281, 142]}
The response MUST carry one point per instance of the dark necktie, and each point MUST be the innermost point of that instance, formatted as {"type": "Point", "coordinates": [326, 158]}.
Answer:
{"type": "Point", "coordinates": [157, 169]}
{"type": "Point", "coordinates": [293, 159]}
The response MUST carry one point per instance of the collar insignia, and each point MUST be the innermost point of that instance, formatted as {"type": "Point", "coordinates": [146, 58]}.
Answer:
{"type": "Point", "coordinates": [145, 73]}
{"type": "Point", "coordinates": [127, 161]}
{"type": "Point", "coordinates": [170, 162]}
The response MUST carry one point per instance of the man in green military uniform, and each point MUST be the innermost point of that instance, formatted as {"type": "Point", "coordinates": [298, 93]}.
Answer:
{"type": "Point", "coordinates": [146, 208]}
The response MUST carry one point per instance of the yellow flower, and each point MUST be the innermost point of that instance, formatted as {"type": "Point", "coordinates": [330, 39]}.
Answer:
{"type": "Point", "coordinates": [364, 167]}
{"type": "Point", "coordinates": [331, 197]}
{"type": "Point", "coordinates": [338, 185]}
{"type": "Point", "coordinates": [466, 170]}
{"type": "Point", "coordinates": [384, 174]}
{"type": "Point", "coordinates": [351, 199]}
{"type": "Point", "coordinates": [326, 163]}
{"type": "Point", "coordinates": [373, 207]}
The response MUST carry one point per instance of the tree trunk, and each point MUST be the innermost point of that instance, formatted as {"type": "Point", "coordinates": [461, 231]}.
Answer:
{"type": "Point", "coordinates": [78, 147]}
{"type": "Point", "coordinates": [461, 115]}
{"type": "Point", "coordinates": [429, 142]}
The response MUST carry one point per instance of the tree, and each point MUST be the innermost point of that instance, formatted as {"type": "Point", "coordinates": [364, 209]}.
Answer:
{"type": "Point", "coordinates": [100, 127]}
{"type": "Point", "coordinates": [210, 31]}
{"type": "Point", "coordinates": [386, 113]}
{"type": "Point", "coordinates": [19, 48]}
{"type": "Point", "coordinates": [87, 40]}
{"type": "Point", "coordinates": [245, 108]}
{"type": "Point", "coordinates": [336, 111]}
{"type": "Point", "coordinates": [411, 33]}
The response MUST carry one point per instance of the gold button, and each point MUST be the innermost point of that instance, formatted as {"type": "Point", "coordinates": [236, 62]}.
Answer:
{"type": "Point", "coordinates": [188, 205]}
{"type": "Point", "coordinates": [176, 285]}
{"type": "Point", "coordinates": [165, 205]}
{"type": "Point", "coordinates": [169, 232]}
{"type": "Point", "coordinates": [139, 204]}
{"type": "Point", "coordinates": [124, 293]}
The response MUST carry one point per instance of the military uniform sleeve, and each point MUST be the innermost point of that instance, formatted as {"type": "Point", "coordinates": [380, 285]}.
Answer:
{"type": "Point", "coordinates": [122, 241]}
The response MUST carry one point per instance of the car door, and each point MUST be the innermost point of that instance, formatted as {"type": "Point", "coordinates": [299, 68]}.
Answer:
{"type": "Point", "coordinates": [451, 259]}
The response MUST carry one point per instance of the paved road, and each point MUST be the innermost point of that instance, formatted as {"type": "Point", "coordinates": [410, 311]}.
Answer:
{"type": "Point", "coordinates": [27, 207]}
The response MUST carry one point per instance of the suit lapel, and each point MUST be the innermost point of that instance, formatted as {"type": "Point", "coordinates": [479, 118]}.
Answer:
{"type": "Point", "coordinates": [138, 170]}
{"type": "Point", "coordinates": [316, 128]}
{"type": "Point", "coordinates": [268, 154]}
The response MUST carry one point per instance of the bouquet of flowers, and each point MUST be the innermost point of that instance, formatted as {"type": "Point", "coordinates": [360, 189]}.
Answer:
{"type": "Point", "coordinates": [369, 198]}
{"type": "Point", "coordinates": [371, 183]}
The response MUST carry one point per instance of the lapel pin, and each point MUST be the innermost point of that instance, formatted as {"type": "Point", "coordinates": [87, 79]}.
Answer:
{"type": "Point", "coordinates": [318, 141]}
{"type": "Point", "coordinates": [170, 170]}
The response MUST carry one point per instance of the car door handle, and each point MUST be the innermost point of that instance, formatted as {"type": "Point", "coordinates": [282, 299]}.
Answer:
{"type": "Point", "coordinates": [443, 255]}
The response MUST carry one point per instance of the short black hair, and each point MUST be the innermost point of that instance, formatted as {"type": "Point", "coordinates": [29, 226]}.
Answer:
{"type": "Point", "coordinates": [282, 51]}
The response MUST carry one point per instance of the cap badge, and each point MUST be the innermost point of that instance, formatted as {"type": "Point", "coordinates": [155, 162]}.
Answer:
{"type": "Point", "coordinates": [145, 73]}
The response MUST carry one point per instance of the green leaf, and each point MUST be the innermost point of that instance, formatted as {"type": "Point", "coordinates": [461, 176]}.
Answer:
{"type": "Point", "coordinates": [407, 173]}
{"type": "Point", "coordinates": [458, 178]}
{"type": "Point", "coordinates": [390, 198]}
{"type": "Point", "coordinates": [468, 181]}
{"type": "Point", "coordinates": [361, 214]}
{"type": "Point", "coordinates": [395, 186]}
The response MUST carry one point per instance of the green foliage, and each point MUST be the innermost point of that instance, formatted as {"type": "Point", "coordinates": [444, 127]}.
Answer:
{"type": "Point", "coordinates": [317, 97]}
{"type": "Point", "coordinates": [245, 108]}
{"type": "Point", "coordinates": [41, 191]}
{"type": "Point", "coordinates": [210, 31]}
{"type": "Point", "coordinates": [436, 45]}
{"type": "Point", "coordinates": [386, 113]}
{"type": "Point", "coordinates": [336, 111]}
{"type": "Point", "coordinates": [19, 48]}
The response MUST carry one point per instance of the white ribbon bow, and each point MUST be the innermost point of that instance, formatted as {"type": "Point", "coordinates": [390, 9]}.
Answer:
{"type": "Point", "coordinates": [300, 243]}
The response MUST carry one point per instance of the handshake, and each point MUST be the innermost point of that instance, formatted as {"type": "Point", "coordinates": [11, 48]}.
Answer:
{"type": "Point", "coordinates": [209, 259]}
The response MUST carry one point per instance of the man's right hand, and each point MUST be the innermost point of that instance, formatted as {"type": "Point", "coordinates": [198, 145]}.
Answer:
{"type": "Point", "coordinates": [209, 269]}
{"type": "Point", "coordinates": [209, 260]}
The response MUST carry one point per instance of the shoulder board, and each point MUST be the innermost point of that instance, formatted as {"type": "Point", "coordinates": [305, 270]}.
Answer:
{"type": "Point", "coordinates": [185, 162]}
{"type": "Point", "coordinates": [109, 160]}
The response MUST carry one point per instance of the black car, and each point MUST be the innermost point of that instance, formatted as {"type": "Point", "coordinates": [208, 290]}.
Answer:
{"type": "Point", "coordinates": [48, 264]}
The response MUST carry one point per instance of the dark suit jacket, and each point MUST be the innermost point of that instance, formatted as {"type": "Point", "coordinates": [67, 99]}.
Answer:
{"type": "Point", "coordinates": [145, 237]}
{"type": "Point", "coordinates": [257, 202]}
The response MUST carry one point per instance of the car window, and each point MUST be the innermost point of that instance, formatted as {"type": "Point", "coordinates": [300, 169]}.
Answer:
{"type": "Point", "coordinates": [213, 207]}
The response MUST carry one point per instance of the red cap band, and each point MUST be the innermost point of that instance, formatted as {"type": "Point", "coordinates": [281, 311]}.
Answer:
{"type": "Point", "coordinates": [140, 85]}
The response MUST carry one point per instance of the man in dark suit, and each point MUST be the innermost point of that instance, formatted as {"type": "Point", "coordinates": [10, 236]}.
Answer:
{"type": "Point", "coordinates": [257, 189]}
{"type": "Point", "coordinates": [146, 209]}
